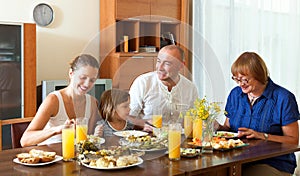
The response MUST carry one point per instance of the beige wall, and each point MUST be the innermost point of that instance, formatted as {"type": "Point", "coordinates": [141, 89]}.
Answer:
{"type": "Point", "coordinates": [75, 29]}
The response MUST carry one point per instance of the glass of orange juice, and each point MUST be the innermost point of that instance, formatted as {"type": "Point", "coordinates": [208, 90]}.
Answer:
{"type": "Point", "coordinates": [197, 129]}
{"type": "Point", "coordinates": [81, 129]}
{"type": "Point", "coordinates": [174, 138]}
{"type": "Point", "coordinates": [68, 137]}
{"type": "Point", "coordinates": [188, 126]}
{"type": "Point", "coordinates": [157, 120]}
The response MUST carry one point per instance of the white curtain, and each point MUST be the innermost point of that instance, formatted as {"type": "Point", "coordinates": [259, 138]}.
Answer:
{"type": "Point", "coordinates": [224, 29]}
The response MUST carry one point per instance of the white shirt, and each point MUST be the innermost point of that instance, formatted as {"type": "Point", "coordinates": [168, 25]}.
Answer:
{"type": "Point", "coordinates": [148, 94]}
{"type": "Point", "coordinates": [62, 116]}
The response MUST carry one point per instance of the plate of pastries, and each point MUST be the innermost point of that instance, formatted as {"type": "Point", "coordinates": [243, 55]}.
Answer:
{"type": "Point", "coordinates": [37, 158]}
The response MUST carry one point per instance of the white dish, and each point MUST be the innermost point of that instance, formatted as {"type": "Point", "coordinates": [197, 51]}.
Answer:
{"type": "Point", "coordinates": [226, 134]}
{"type": "Point", "coordinates": [140, 161]}
{"type": "Point", "coordinates": [57, 158]}
{"type": "Point", "coordinates": [96, 139]}
{"type": "Point", "coordinates": [130, 132]}
{"type": "Point", "coordinates": [149, 150]}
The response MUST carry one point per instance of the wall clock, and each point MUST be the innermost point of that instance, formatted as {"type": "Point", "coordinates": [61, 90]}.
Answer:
{"type": "Point", "coordinates": [43, 14]}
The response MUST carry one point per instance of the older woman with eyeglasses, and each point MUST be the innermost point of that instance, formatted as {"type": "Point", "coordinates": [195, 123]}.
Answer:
{"type": "Point", "coordinates": [260, 109]}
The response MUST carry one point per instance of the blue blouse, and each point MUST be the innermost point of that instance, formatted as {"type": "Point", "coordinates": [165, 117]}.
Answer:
{"type": "Point", "coordinates": [275, 108]}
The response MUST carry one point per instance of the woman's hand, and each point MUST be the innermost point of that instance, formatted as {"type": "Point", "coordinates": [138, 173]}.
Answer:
{"type": "Point", "coordinates": [58, 129]}
{"type": "Point", "coordinates": [69, 121]}
{"type": "Point", "coordinates": [249, 133]}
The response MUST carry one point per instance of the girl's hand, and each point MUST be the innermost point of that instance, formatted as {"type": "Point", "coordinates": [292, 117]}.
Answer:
{"type": "Point", "coordinates": [99, 130]}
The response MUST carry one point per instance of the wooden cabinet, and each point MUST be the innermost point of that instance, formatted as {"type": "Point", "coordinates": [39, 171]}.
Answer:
{"type": "Point", "coordinates": [138, 9]}
{"type": "Point", "coordinates": [29, 70]}
{"type": "Point", "coordinates": [149, 25]}
{"type": "Point", "coordinates": [130, 68]}
{"type": "Point", "coordinates": [166, 10]}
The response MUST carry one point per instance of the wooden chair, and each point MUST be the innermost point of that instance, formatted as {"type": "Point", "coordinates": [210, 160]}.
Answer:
{"type": "Point", "coordinates": [18, 126]}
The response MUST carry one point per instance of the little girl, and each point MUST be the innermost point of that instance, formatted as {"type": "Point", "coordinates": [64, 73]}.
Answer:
{"type": "Point", "coordinates": [114, 109]}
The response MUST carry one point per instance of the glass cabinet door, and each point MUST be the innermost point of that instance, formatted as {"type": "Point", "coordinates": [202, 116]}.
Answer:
{"type": "Point", "coordinates": [10, 76]}
{"type": "Point", "coordinates": [10, 71]}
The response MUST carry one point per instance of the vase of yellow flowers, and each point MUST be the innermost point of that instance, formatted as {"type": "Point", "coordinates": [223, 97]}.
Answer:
{"type": "Point", "coordinates": [204, 114]}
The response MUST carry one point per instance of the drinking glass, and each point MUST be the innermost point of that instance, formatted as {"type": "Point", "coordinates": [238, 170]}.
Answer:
{"type": "Point", "coordinates": [68, 137]}
{"type": "Point", "coordinates": [197, 129]}
{"type": "Point", "coordinates": [81, 129]}
{"type": "Point", "coordinates": [188, 126]}
{"type": "Point", "coordinates": [157, 120]}
{"type": "Point", "coordinates": [174, 138]}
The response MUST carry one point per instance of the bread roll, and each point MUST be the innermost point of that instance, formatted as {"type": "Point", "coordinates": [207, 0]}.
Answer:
{"type": "Point", "coordinates": [36, 156]}
{"type": "Point", "coordinates": [21, 156]}
{"type": "Point", "coordinates": [47, 156]}
{"type": "Point", "coordinates": [32, 160]}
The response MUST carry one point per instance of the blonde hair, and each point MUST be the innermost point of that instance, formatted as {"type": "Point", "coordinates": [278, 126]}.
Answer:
{"type": "Point", "coordinates": [251, 64]}
{"type": "Point", "coordinates": [109, 101]}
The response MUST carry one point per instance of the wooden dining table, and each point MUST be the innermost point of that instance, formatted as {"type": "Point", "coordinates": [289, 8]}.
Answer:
{"type": "Point", "coordinates": [228, 162]}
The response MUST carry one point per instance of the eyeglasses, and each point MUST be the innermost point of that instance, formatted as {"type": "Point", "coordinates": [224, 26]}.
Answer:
{"type": "Point", "coordinates": [240, 80]}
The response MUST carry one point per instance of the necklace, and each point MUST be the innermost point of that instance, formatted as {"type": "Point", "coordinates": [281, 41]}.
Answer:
{"type": "Point", "coordinates": [252, 99]}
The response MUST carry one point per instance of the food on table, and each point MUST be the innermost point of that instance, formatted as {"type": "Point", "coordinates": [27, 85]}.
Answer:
{"type": "Point", "coordinates": [133, 138]}
{"type": "Point", "coordinates": [220, 143]}
{"type": "Point", "coordinates": [226, 134]}
{"type": "Point", "coordinates": [86, 145]}
{"type": "Point", "coordinates": [196, 141]}
{"type": "Point", "coordinates": [36, 156]}
{"type": "Point", "coordinates": [223, 143]}
{"type": "Point", "coordinates": [145, 143]}
{"type": "Point", "coordinates": [115, 156]}
{"type": "Point", "coordinates": [189, 152]}
{"type": "Point", "coordinates": [111, 161]}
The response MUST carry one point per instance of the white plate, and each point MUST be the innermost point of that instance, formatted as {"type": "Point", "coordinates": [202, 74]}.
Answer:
{"type": "Point", "coordinates": [96, 139]}
{"type": "Point", "coordinates": [102, 140]}
{"type": "Point", "coordinates": [189, 152]}
{"type": "Point", "coordinates": [149, 150]}
{"type": "Point", "coordinates": [140, 161]}
{"type": "Point", "coordinates": [226, 134]}
{"type": "Point", "coordinates": [57, 158]}
{"type": "Point", "coordinates": [130, 132]}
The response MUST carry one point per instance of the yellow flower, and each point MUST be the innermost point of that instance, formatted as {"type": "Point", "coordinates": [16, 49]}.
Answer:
{"type": "Point", "coordinates": [205, 110]}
